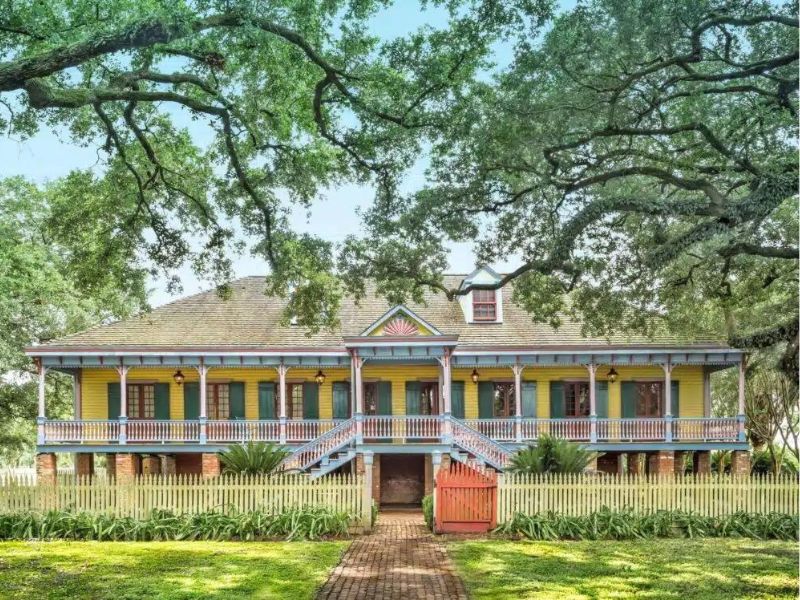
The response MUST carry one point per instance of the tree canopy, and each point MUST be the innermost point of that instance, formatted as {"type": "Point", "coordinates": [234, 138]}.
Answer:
{"type": "Point", "coordinates": [638, 158]}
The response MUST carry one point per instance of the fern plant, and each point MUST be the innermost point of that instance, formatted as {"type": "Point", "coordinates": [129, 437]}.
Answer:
{"type": "Point", "coordinates": [260, 458]}
{"type": "Point", "coordinates": [552, 455]}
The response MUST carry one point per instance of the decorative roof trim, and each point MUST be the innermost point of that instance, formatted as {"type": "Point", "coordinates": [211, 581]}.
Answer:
{"type": "Point", "coordinates": [427, 340]}
{"type": "Point", "coordinates": [392, 312]}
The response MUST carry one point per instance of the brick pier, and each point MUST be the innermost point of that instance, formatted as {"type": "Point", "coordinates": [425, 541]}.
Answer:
{"type": "Point", "coordinates": [400, 560]}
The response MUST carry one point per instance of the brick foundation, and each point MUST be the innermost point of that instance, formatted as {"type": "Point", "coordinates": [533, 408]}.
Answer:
{"type": "Point", "coordinates": [151, 465]}
{"type": "Point", "coordinates": [84, 464]}
{"type": "Point", "coordinates": [111, 466]}
{"type": "Point", "coordinates": [211, 465]}
{"type": "Point", "coordinates": [169, 466]}
{"type": "Point", "coordinates": [701, 463]}
{"type": "Point", "coordinates": [46, 469]}
{"type": "Point", "coordinates": [680, 462]}
{"type": "Point", "coordinates": [128, 467]}
{"type": "Point", "coordinates": [740, 463]}
{"type": "Point", "coordinates": [611, 463]}
{"type": "Point", "coordinates": [635, 466]}
{"type": "Point", "coordinates": [661, 463]}
{"type": "Point", "coordinates": [445, 464]}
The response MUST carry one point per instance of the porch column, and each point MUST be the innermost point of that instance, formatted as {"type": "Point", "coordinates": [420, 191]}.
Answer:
{"type": "Point", "coordinates": [282, 370]}
{"type": "Point", "coordinates": [42, 416]}
{"type": "Point", "coordinates": [740, 414]}
{"type": "Point", "coordinates": [517, 369]}
{"type": "Point", "coordinates": [123, 403]}
{"type": "Point", "coordinates": [592, 402]}
{"type": "Point", "coordinates": [203, 371]}
{"type": "Point", "coordinates": [359, 406]}
{"type": "Point", "coordinates": [447, 405]}
{"type": "Point", "coordinates": [668, 400]}
{"type": "Point", "coordinates": [366, 502]}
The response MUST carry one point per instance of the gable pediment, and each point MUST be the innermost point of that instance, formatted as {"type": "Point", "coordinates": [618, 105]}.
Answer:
{"type": "Point", "coordinates": [400, 321]}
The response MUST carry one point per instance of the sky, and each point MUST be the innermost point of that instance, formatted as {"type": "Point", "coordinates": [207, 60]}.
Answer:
{"type": "Point", "coordinates": [51, 154]}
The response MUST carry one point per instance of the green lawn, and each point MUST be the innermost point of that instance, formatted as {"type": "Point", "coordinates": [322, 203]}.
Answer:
{"type": "Point", "coordinates": [122, 570]}
{"type": "Point", "coordinates": [676, 569]}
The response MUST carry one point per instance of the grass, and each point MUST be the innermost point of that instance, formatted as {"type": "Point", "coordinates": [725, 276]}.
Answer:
{"type": "Point", "coordinates": [165, 570]}
{"type": "Point", "coordinates": [706, 569]}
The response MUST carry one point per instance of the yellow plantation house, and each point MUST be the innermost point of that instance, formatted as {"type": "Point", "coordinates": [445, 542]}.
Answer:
{"type": "Point", "coordinates": [397, 389]}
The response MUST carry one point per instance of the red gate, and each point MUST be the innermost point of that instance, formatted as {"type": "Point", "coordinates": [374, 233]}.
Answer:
{"type": "Point", "coordinates": [466, 500]}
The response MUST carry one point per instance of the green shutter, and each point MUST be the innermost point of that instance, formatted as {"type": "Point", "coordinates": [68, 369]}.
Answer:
{"type": "Point", "coordinates": [113, 400]}
{"type": "Point", "coordinates": [457, 399]}
{"type": "Point", "coordinates": [385, 397]}
{"type": "Point", "coordinates": [628, 399]}
{"type": "Point", "coordinates": [601, 399]}
{"type": "Point", "coordinates": [161, 394]}
{"type": "Point", "coordinates": [266, 400]}
{"type": "Point", "coordinates": [556, 400]}
{"type": "Point", "coordinates": [310, 400]}
{"type": "Point", "coordinates": [676, 400]}
{"type": "Point", "coordinates": [413, 391]}
{"type": "Point", "coordinates": [236, 392]}
{"type": "Point", "coordinates": [529, 399]}
{"type": "Point", "coordinates": [485, 400]}
{"type": "Point", "coordinates": [191, 401]}
{"type": "Point", "coordinates": [341, 400]}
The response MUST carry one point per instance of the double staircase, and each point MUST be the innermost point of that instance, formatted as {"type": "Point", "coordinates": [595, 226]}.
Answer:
{"type": "Point", "coordinates": [337, 447]}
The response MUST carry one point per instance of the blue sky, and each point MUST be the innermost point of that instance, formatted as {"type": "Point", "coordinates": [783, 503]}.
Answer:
{"type": "Point", "coordinates": [50, 155]}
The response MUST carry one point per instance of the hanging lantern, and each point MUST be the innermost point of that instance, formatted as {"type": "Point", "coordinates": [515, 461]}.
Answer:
{"type": "Point", "coordinates": [178, 377]}
{"type": "Point", "coordinates": [475, 375]}
{"type": "Point", "coordinates": [612, 375]}
{"type": "Point", "coordinates": [319, 377]}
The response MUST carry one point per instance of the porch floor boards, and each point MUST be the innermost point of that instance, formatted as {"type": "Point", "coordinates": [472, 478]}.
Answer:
{"type": "Point", "coordinates": [399, 560]}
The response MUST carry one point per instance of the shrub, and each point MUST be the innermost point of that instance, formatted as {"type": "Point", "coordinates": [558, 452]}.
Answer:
{"type": "Point", "coordinates": [552, 455]}
{"type": "Point", "coordinates": [292, 524]}
{"type": "Point", "coordinates": [257, 458]}
{"type": "Point", "coordinates": [427, 511]}
{"type": "Point", "coordinates": [627, 525]}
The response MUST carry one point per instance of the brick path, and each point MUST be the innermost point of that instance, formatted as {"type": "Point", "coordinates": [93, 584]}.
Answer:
{"type": "Point", "coordinates": [401, 559]}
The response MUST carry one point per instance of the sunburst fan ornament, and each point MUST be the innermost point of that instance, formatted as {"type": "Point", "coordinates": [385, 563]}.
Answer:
{"type": "Point", "coordinates": [400, 327]}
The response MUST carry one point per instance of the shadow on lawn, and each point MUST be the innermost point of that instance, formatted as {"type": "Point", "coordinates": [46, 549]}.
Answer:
{"type": "Point", "coordinates": [659, 569]}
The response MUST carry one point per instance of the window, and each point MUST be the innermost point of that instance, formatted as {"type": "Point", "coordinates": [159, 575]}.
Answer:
{"type": "Point", "coordinates": [218, 396]}
{"type": "Point", "coordinates": [294, 400]}
{"type": "Point", "coordinates": [371, 398]}
{"type": "Point", "coordinates": [504, 400]}
{"type": "Point", "coordinates": [484, 305]}
{"type": "Point", "coordinates": [649, 398]}
{"type": "Point", "coordinates": [141, 399]}
{"type": "Point", "coordinates": [576, 399]}
{"type": "Point", "coordinates": [429, 400]}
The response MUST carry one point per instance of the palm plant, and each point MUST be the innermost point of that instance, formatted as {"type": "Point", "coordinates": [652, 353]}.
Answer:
{"type": "Point", "coordinates": [552, 455]}
{"type": "Point", "coordinates": [253, 458]}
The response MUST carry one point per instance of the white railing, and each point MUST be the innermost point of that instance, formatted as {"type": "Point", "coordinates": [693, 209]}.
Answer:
{"type": "Point", "coordinates": [476, 443]}
{"type": "Point", "coordinates": [708, 430]}
{"type": "Point", "coordinates": [402, 426]}
{"type": "Point", "coordinates": [307, 430]}
{"type": "Point", "coordinates": [496, 429]}
{"type": "Point", "coordinates": [626, 430]}
{"type": "Point", "coordinates": [163, 431]}
{"type": "Point", "coordinates": [314, 451]}
{"type": "Point", "coordinates": [243, 431]}
{"type": "Point", "coordinates": [78, 432]}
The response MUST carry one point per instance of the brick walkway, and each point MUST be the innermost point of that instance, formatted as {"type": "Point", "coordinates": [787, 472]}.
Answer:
{"type": "Point", "coordinates": [401, 559]}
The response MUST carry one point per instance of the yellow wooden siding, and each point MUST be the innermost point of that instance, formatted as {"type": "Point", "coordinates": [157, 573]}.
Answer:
{"type": "Point", "coordinates": [94, 387]}
{"type": "Point", "coordinates": [95, 404]}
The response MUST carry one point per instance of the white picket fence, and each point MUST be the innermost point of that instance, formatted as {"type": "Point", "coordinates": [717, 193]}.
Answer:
{"type": "Point", "coordinates": [185, 494]}
{"type": "Point", "coordinates": [709, 495]}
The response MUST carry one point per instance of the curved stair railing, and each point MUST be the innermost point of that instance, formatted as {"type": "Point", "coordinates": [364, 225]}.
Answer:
{"type": "Point", "coordinates": [315, 450]}
{"type": "Point", "coordinates": [473, 441]}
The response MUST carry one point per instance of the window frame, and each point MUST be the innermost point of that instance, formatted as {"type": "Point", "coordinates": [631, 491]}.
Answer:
{"type": "Point", "coordinates": [140, 400]}
{"type": "Point", "coordinates": [290, 404]}
{"type": "Point", "coordinates": [483, 304]}
{"type": "Point", "coordinates": [510, 402]}
{"type": "Point", "coordinates": [212, 400]}
{"type": "Point", "coordinates": [575, 386]}
{"type": "Point", "coordinates": [371, 386]}
{"type": "Point", "coordinates": [429, 393]}
{"type": "Point", "coordinates": [638, 385]}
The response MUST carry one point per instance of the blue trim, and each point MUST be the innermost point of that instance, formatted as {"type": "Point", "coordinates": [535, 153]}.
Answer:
{"type": "Point", "coordinates": [405, 448]}
{"type": "Point", "coordinates": [649, 446]}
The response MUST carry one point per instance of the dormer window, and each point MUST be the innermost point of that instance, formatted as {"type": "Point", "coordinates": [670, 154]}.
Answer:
{"type": "Point", "coordinates": [484, 305]}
